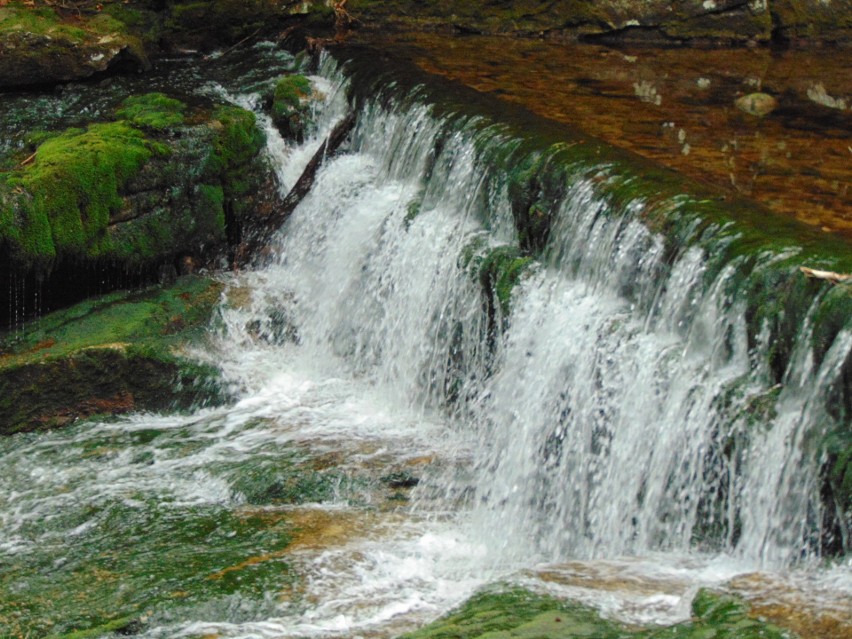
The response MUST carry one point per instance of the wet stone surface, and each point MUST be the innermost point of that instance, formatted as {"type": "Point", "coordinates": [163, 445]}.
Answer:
{"type": "Point", "coordinates": [680, 107]}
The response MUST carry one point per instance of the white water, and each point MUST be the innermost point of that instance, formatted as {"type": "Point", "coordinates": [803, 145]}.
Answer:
{"type": "Point", "coordinates": [579, 452]}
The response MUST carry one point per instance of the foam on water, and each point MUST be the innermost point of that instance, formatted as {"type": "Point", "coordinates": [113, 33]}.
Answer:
{"type": "Point", "coordinates": [581, 455]}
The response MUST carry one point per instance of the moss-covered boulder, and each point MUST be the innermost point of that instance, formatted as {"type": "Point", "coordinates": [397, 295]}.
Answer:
{"type": "Point", "coordinates": [519, 613]}
{"type": "Point", "coordinates": [161, 183]}
{"type": "Point", "coordinates": [110, 355]}
{"type": "Point", "coordinates": [290, 108]}
{"type": "Point", "coordinates": [40, 45]}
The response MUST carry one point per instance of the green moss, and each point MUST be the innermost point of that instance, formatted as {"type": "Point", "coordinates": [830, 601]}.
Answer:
{"type": "Point", "coordinates": [63, 201]}
{"type": "Point", "coordinates": [289, 108]}
{"type": "Point", "coordinates": [152, 111]}
{"type": "Point", "coordinates": [39, 21]}
{"type": "Point", "coordinates": [289, 92]}
{"type": "Point", "coordinates": [500, 270]}
{"type": "Point", "coordinates": [238, 142]}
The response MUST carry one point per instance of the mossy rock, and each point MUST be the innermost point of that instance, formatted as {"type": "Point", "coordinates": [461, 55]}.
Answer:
{"type": "Point", "coordinates": [109, 355]}
{"type": "Point", "coordinates": [514, 612]}
{"type": "Point", "coordinates": [39, 45]}
{"type": "Point", "coordinates": [162, 182]}
{"type": "Point", "coordinates": [500, 269]}
{"type": "Point", "coordinates": [290, 107]}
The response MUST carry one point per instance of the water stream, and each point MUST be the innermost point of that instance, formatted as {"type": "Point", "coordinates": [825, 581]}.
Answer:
{"type": "Point", "coordinates": [600, 447]}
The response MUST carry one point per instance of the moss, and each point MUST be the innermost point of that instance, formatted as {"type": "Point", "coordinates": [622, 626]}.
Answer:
{"type": "Point", "coordinates": [290, 90]}
{"type": "Point", "coordinates": [41, 21]}
{"type": "Point", "coordinates": [237, 144]}
{"type": "Point", "coordinates": [152, 111]}
{"type": "Point", "coordinates": [500, 270]}
{"type": "Point", "coordinates": [289, 110]}
{"type": "Point", "coordinates": [63, 201]}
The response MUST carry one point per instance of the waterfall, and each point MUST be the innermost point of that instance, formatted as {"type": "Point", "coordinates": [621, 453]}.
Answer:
{"type": "Point", "coordinates": [618, 405]}
{"type": "Point", "coordinates": [588, 365]}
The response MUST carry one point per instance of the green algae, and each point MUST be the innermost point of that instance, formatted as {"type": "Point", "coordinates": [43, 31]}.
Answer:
{"type": "Point", "coordinates": [519, 613]}
{"type": "Point", "coordinates": [138, 562]}
{"type": "Point", "coordinates": [286, 480]}
{"type": "Point", "coordinates": [154, 111]}
{"type": "Point", "coordinates": [111, 354]}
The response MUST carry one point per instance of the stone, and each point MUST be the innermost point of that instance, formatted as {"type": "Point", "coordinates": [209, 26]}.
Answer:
{"type": "Point", "coordinates": [759, 104]}
{"type": "Point", "coordinates": [38, 46]}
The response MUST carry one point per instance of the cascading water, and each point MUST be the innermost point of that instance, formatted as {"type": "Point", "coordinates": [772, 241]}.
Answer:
{"type": "Point", "coordinates": [603, 411]}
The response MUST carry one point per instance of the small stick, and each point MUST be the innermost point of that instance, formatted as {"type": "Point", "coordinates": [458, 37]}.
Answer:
{"type": "Point", "coordinates": [248, 37]}
{"type": "Point", "coordinates": [831, 276]}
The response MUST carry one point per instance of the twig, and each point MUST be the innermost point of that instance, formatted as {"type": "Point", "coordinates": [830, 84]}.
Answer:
{"type": "Point", "coordinates": [227, 51]}
{"type": "Point", "coordinates": [29, 159]}
{"type": "Point", "coordinates": [831, 276]}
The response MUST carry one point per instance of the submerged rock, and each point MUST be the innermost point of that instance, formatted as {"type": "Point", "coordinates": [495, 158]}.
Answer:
{"type": "Point", "coordinates": [111, 355]}
{"type": "Point", "coordinates": [758, 104]}
{"type": "Point", "coordinates": [519, 613]}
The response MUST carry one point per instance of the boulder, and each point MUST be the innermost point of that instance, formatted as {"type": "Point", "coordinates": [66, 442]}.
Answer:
{"type": "Point", "coordinates": [160, 183]}
{"type": "Point", "coordinates": [39, 46]}
{"type": "Point", "coordinates": [110, 355]}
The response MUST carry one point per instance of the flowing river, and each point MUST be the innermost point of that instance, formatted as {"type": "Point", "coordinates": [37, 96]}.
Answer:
{"type": "Point", "coordinates": [592, 438]}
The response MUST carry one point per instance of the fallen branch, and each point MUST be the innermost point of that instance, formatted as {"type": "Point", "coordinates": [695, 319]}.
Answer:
{"type": "Point", "coordinates": [831, 276]}
{"type": "Point", "coordinates": [227, 51]}
{"type": "Point", "coordinates": [29, 159]}
{"type": "Point", "coordinates": [297, 193]}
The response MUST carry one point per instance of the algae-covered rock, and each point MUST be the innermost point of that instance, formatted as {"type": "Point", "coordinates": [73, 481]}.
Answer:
{"type": "Point", "coordinates": [40, 46]}
{"type": "Point", "coordinates": [110, 355]}
{"type": "Point", "coordinates": [519, 613]}
{"type": "Point", "coordinates": [159, 183]}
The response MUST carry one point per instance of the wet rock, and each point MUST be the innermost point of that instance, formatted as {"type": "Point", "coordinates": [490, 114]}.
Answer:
{"type": "Point", "coordinates": [39, 46]}
{"type": "Point", "coordinates": [290, 108]}
{"type": "Point", "coordinates": [517, 612]}
{"type": "Point", "coordinates": [811, 21]}
{"type": "Point", "coordinates": [759, 104]}
{"type": "Point", "coordinates": [108, 356]}
{"type": "Point", "coordinates": [159, 185]}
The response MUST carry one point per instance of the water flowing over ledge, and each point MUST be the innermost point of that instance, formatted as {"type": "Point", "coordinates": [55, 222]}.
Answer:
{"type": "Point", "coordinates": [594, 374]}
